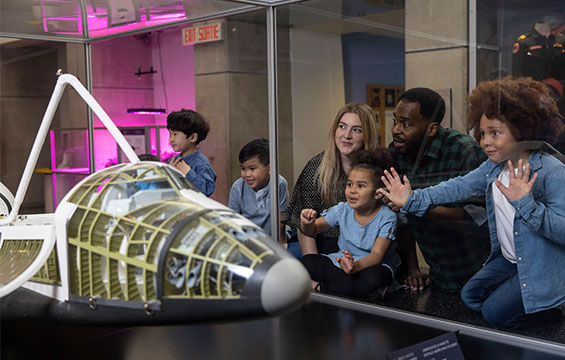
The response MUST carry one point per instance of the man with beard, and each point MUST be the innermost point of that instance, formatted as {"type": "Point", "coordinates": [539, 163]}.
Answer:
{"type": "Point", "coordinates": [453, 239]}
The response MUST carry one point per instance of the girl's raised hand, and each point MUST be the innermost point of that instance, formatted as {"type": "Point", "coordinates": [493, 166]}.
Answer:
{"type": "Point", "coordinates": [308, 216]}
{"type": "Point", "coordinates": [398, 193]}
{"type": "Point", "coordinates": [520, 183]}
{"type": "Point", "coordinates": [346, 262]}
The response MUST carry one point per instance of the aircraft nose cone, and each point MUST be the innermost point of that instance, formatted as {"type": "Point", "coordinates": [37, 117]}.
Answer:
{"type": "Point", "coordinates": [285, 287]}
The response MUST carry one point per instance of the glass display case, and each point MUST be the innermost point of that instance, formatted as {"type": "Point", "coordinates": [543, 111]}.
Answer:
{"type": "Point", "coordinates": [70, 160]}
{"type": "Point", "coordinates": [281, 70]}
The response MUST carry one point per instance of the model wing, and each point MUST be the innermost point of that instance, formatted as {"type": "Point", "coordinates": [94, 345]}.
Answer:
{"type": "Point", "coordinates": [24, 249]}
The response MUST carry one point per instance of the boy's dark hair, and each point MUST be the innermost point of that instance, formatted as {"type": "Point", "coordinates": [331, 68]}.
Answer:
{"type": "Point", "coordinates": [432, 106]}
{"type": "Point", "coordinates": [375, 160]}
{"type": "Point", "coordinates": [148, 157]}
{"type": "Point", "coordinates": [524, 104]}
{"type": "Point", "coordinates": [188, 122]}
{"type": "Point", "coordinates": [257, 147]}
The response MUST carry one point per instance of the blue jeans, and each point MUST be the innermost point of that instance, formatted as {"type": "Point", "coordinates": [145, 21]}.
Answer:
{"type": "Point", "coordinates": [495, 291]}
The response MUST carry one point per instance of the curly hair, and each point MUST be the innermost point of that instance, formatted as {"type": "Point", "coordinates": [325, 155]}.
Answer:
{"type": "Point", "coordinates": [524, 104]}
{"type": "Point", "coordinates": [375, 160]}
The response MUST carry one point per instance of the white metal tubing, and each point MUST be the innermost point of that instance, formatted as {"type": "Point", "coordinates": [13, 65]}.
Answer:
{"type": "Point", "coordinates": [44, 129]}
{"type": "Point", "coordinates": [35, 150]}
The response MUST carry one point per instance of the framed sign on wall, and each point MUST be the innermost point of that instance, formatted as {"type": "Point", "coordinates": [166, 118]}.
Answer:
{"type": "Point", "coordinates": [382, 99]}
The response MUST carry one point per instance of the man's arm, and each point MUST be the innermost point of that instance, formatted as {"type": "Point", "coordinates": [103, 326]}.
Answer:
{"type": "Point", "coordinates": [447, 217]}
{"type": "Point", "coordinates": [415, 279]}
{"type": "Point", "coordinates": [453, 218]}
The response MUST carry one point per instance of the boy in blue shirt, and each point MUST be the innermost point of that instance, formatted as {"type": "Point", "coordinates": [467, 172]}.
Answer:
{"type": "Point", "coordinates": [250, 195]}
{"type": "Point", "coordinates": [187, 129]}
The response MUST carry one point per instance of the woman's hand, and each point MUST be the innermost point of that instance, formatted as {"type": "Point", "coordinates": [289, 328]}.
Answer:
{"type": "Point", "coordinates": [398, 193]}
{"type": "Point", "coordinates": [520, 183]}
{"type": "Point", "coordinates": [308, 216]}
{"type": "Point", "coordinates": [346, 262]}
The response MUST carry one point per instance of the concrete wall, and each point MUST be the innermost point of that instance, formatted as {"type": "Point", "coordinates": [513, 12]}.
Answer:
{"type": "Point", "coordinates": [317, 91]}
{"type": "Point", "coordinates": [27, 79]}
{"type": "Point", "coordinates": [436, 50]}
{"type": "Point", "coordinates": [231, 92]}
{"type": "Point", "coordinates": [117, 88]}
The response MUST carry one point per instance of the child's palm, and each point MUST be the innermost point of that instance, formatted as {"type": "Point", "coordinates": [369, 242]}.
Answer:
{"type": "Point", "coordinates": [398, 192]}
{"type": "Point", "coordinates": [519, 184]}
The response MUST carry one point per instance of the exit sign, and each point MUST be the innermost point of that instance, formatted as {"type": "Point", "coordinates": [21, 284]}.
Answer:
{"type": "Point", "coordinates": [201, 34]}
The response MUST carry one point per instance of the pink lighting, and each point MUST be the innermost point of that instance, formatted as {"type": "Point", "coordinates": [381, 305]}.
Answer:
{"type": "Point", "coordinates": [146, 111]}
{"type": "Point", "coordinates": [97, 21]}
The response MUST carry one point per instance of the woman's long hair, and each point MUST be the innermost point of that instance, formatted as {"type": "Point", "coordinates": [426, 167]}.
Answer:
{"type": "Point", "coordinates": [331, 169]}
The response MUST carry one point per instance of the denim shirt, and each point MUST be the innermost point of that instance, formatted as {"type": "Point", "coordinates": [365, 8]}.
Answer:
{"type": "Point", "coordinates": [201, 173]}
{"type": "Point", "coordinates": [539, 224]}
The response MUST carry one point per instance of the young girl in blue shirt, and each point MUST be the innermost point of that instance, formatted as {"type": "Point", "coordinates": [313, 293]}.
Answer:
{"type": "Point", "coordinates": [521, 283]}
{"type": "Point", "coordinates": [367, 259]}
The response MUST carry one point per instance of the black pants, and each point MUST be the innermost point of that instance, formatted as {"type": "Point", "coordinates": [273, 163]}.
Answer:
{"type": "Point", "coordinates": [334, 280]}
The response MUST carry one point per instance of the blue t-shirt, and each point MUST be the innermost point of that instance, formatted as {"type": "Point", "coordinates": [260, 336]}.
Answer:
{"type": "Point", "coordinates": [256, 205]}
{"type": "Point", "coordinates": [359, 239]}
{"type": "Point", "coordinates": [201, 173]}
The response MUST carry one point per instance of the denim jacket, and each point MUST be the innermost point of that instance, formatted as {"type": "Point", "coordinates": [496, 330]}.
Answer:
{"type": "Point", "coordinates": [539, 224]}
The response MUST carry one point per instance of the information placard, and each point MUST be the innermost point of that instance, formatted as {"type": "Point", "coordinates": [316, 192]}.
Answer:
{"type": "Point", "coordinates": [444, 347]}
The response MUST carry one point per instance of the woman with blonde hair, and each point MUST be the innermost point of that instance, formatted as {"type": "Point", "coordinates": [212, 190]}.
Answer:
{"type": "Point", "coordinates": [321, 183]}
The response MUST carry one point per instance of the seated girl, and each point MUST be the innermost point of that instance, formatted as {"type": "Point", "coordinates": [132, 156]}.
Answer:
{"type": "Point", "coordinates": [367, 259]}
{"type": "Point", "coordinates": [521, 283]}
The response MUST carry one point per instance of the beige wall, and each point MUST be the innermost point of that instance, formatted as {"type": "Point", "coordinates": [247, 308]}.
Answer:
{"type": "Point", "coordinates": [231, 92]}
{"type": "Point", "coordinates": [317, 91]}
{"type": "Point", "coordinates": [27, 77]}
{"type": "Point", "coordinates": [436, 50]}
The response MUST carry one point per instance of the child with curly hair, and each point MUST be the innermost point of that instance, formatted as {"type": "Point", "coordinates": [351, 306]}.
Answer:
{"type": "Point", "coordinates": [521, 283]}
{"type": "Point", "coordinates": [367, 259]}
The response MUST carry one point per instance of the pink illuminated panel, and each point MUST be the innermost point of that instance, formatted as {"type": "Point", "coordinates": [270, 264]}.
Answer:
{"type": "Point", "coordinates": [64, 16]}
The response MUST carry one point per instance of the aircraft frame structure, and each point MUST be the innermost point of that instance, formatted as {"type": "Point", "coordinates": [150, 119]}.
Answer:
{"type": "Point", "coordinates": [137, 243]}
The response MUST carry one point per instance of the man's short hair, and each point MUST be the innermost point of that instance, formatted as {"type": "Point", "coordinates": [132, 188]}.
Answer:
{"type": "Point", "coordinates": [188, 122]}
{"type": "Point", "coordinates": [257, 147]}
{"type": "Point", "coordinates": [432, 106]}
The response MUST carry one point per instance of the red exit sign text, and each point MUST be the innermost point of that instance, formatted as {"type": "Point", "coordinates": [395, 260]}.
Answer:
{"type": "Point", "coordinates": [200, 34]}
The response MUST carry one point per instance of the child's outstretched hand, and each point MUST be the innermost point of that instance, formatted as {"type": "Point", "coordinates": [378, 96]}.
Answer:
{"type": "Point", "coordinates": [180, 164]}
{"type": "Point", "coordinates": [346, 262]}
{"type": "Point", "coordinates": [398, 193]}
{"type": "Point", "coordinates": [520, 183]}
{"type": "Point", "coordinates": [308, 216]}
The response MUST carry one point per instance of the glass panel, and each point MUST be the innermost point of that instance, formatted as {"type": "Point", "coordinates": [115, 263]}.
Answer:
{"type": "Point", "coordinates": [523, 40]}
{"type": "Point", "coordinates": [27, 81]}
{"type": "Point", "coordinates": [332, 53]}
{"type": "Point", "coordinates": [57, 18]}
{"type": "Point", "coordinates": [63, 18]}
{"type": "Point", "coordinates": [149, 71]}
{"type": "Point", "coordinates": [224, 80]}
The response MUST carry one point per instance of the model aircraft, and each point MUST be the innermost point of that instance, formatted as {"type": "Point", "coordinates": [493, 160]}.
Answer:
{"type": "Point", "coordinates": [137, 243]}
